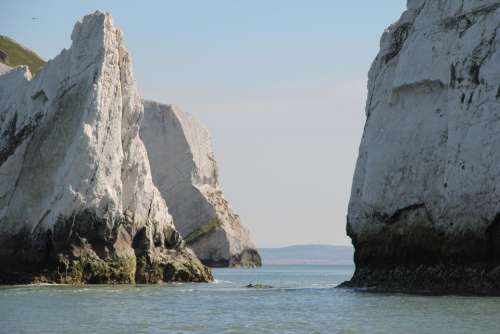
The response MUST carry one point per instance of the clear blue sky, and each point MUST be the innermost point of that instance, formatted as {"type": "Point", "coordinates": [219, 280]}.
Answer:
{"type": "Point", "coordinates": [281, 84]}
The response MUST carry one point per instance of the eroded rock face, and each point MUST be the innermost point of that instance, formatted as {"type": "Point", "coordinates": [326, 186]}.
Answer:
{"type": "Point", "coordinates": [425, 201]}
{"type": "Point", "coordinates": [77, 202]}
{"type": "Point", "coordinates": [185, 171]}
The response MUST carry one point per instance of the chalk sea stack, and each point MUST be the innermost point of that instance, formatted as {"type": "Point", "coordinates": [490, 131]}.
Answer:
{"type": "Point", "coordinates": [424, 213]}
{"type": "Point", "coordinates": [77, 200]}
{"type": "Point", "coordinates": [184, 169]}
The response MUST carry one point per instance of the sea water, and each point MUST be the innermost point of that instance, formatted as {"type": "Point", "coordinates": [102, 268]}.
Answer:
{"type": "Point", "coordinates": [303, 300]}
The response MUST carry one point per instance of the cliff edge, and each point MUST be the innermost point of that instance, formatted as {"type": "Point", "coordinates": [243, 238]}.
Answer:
{"type": "Point", "coordinates": [424, 213]}
{"type": "Point", "coordinates": [184, 169]}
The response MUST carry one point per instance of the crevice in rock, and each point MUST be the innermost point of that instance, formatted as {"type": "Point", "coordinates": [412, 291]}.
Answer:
{"type": "Point", "coordinates": [12, 138]}
{"type": "Point", "coordinates": [41, 96]}
{"type": "Point", "coordinates": [466, 20]}
{"type": "Point", "coordinates": [453, 75]}
{"type": "Point", "coordinates": [474, 73]}
{"type": "Point", "coordinates": [397, 215]}
{"type": "Point", "coordinates": [493, 240]}
{"type": "Point", "coordinates": [399, 36]}
{"type": "Point", "coordinates": [469, 102]}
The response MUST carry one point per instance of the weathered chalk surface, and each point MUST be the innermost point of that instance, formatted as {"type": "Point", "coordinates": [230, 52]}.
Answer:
{"type": "Point", "coordinates": [424, 213]}
{"type": "Point", "coordinates": [4, 68]}
{"type": "Point", "coordinates": [77, 202]}
{"type": "Point", "coordinates": [185, 171]}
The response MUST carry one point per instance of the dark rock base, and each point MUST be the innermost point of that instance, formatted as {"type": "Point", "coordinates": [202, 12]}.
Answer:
{"type": "Point", "coordinates": [409, 252]}
{"type": "Point", "coordinates": [435, 280]}
{"type": "Point", "coordinates": [85, 248]}
{"type": "Point", "coordinates": [248, 258]}
{"type": "Point", "coordinates": [92, 270]}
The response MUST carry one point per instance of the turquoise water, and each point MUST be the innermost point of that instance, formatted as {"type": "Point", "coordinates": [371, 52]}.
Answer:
{"type": "Point", "coordinates": [303, 300]}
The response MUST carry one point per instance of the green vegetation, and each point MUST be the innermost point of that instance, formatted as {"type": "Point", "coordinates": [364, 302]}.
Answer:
{"type": "Point", "coordinates": [212, 225]}
{"type": "Point", "coordinates": [19, 55]}
{"type": "Point", "coordinates": [148, 270]}
{"type": "Point", "coordinates": [88, 269]}
{"type": "Point", "coordinates": [179, 269]}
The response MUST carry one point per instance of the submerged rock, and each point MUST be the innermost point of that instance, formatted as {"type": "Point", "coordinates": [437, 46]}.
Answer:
{"type": "Point", "coordinates": [77, 202]}
{"type": "Point", "coordinates": [258, 286]}
{"type": "Point", "coordinates": [185, 171]}
{"type": "Point", "coordinates": [424, 213]}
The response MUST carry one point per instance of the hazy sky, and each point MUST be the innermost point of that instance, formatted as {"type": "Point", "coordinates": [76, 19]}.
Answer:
{"type": "Point", "coordinates": [281, 84]}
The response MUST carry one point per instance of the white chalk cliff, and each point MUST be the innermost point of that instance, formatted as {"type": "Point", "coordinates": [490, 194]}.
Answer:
{"type": "Point", "coordinates": [77, 201]}
{"type": "Point", "coordinates": [424, 213]}
{"type": "Point", "coordinates": [4, 68]}
{"type": "Point", "coordinates": [185, 171]}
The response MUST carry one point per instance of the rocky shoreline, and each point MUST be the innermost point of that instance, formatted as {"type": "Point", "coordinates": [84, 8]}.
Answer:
{"type": "Point", "coordinates": [83, 250]}
{"type": "Point", "coordinates": [429, 280]}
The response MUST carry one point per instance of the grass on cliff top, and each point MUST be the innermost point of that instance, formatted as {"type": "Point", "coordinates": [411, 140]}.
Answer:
{"type": "Point", "coordinates": [211, 226]}
{"type": "Point", "coordinates": [19, 55]}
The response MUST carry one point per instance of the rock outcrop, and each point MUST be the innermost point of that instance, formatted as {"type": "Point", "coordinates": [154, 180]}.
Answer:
{"type": "Point", "coordinates": [424, 213]}
{"type": "Point", "coordinates": [185, 171]}
{"type": "Point", "coordinates": [4, 68]}
{"type": "Point", "coordinates": [77, 201]}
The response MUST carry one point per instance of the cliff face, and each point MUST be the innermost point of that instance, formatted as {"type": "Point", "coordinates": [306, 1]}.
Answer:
{"type": "Point", "coordinates": [185, 171]}
{"type": "Point", "coordinates": [4, 68]}
{"type": "Point", "coordinates": [77, 202]}
{"type": "Point", "coordinates": [424, 213]}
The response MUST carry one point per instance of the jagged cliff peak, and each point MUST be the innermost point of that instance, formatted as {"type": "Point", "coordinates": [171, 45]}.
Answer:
{"type": "Point", "coordinates": [77, 201]}
{"type": "Point", "coordinates": [184, 169]}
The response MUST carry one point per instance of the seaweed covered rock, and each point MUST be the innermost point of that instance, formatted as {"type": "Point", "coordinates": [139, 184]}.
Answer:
{"type": "Point", "coordinates": [77, 201]}
{"type": "Point", "coordinates": [425, 202]}
{"type": "Point", "coordinates": [185, 171]}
